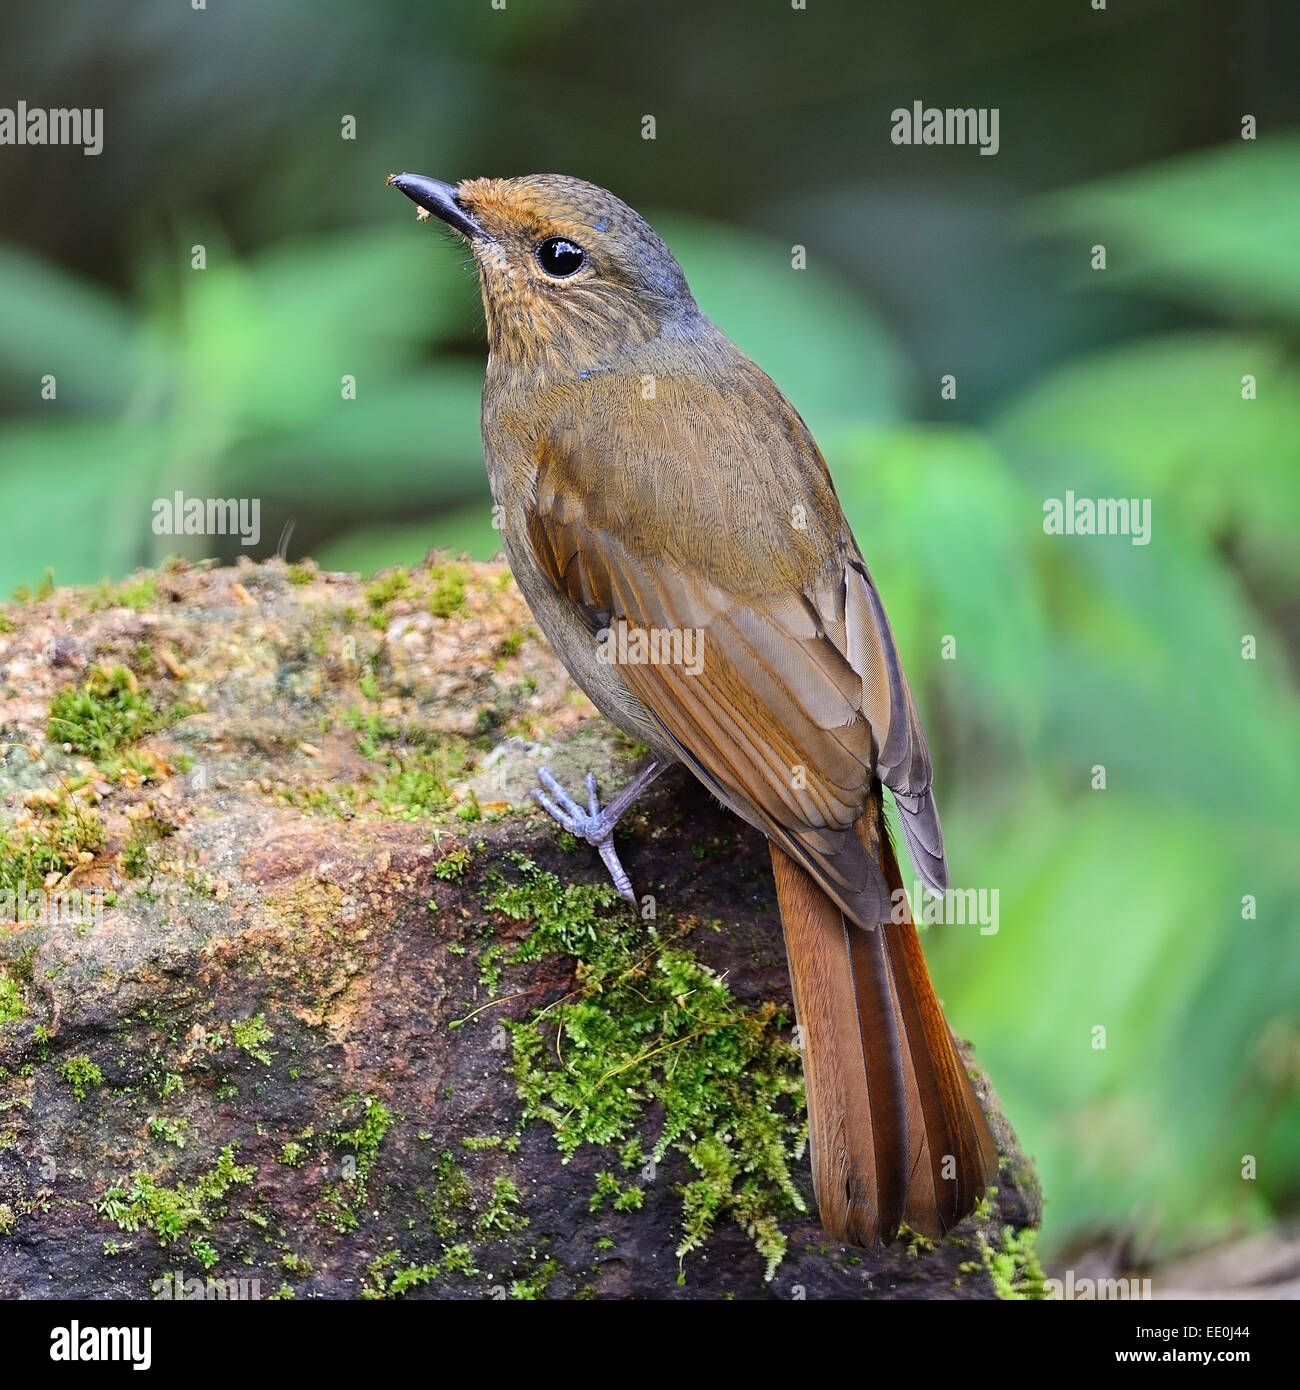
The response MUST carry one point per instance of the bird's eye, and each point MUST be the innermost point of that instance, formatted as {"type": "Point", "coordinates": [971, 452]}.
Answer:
{"type": "Point", "coordinates": [560, 257]}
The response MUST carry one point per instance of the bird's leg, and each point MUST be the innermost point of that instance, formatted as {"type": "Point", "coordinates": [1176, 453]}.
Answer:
{"type": "Point", "coordinates": [595, 825]}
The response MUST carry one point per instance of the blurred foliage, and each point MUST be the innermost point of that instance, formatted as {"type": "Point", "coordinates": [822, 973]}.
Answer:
{"type": "Point", "coordinates": [1213, 226]}
{"type": "Point", "coordinates": [1119, 908]}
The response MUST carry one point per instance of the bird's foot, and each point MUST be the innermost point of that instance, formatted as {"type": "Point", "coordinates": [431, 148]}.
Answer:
{"type": "Point", "coordinates": [592, 823]}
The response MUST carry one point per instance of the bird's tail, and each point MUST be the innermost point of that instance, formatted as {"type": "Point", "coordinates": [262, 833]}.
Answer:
{"type": "Point", "coordinates": [895, 1130]}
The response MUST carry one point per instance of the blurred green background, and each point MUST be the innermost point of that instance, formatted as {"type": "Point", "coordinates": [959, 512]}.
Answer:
{"type": "Point", "coordinates": [1121, 908]}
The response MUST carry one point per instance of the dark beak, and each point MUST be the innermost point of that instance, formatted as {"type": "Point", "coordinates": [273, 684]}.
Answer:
{"type": "Point", "coordinates": [438, 198]}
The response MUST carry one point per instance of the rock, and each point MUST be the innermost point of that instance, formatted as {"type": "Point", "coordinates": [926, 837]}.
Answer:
{"type": "Point", "coordinates": [321, 1003]}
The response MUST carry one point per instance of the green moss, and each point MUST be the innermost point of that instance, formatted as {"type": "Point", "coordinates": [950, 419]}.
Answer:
{"type": "Point", "coordinates": [81, 1074]}
{"type": "Point", "coordinates": [251, 1034]}
{"type": "Point", "coordinates": [139, 593]}
{"type": "Point", "coordinates": [386, 1281]}
{"type": "Point", "coordinates": [535, 1285]}
{"type": "Point", "coordinates": [650, 1038]}
{"type": "Point", "coordinates": [608, 1188]}
{"type": "Point", "coordinates": [169, 1212]}
{"type": "Point", "coordinates": [368, 1135]}
{"type": "Point", "coordinates": [412, 790]}
{"type": "Point", "coordinates": [914, 1242]}
{"type": "Point", "coordinates": [567, 918]}
{"type": "Point", "coordinates": [137, 851]}
{"type": "Point", "coordinates": [106, 712]}
{"type": "Point", "coordinates": [301, 574]}
{"type": "Point", "coordinates": [52, 842]}
{"type": "Point", "coordinates": [415, 781]}
{"type": "Point", "coordinates": [292, 1154]}
{"type": "Point", "coordinates": [383, 1284]}
{"type": "Point", "coordinates": [453, 866]}
{"type": "Point", "coordinates": [384, 588]}
{"type": "Point", "coordinates": [343, 801]}
{"type": "Point", "coordinates": [12, 1005]}
{"type": "Point", "coordinates": [512, 643]}
{"type": "Point", "coordinates": [341, 1199]}
{"type": "Point", "coordinates": [501, 1215]}
{"type": "Point", "coordinates": [135, 856]}
{"type": "Point", "coordinates": [204, 1251]}
{"type": "Point", "coordinates": [447, 590]}
{"type": "Point", "coordinates": [489, 968]}
{"type": "Point", "coordinates": [459, 1259]}
{"type": "Point", "coordinates": [451, 1196]}
{"type": "Point", "coordinates": [170, 1131]}
{"type": "Point", "coordinates": [7, 1218]}
{"type": "Point", "coordinates": [1013, 1265]}
{"type": "Point", "coordinates": [6, 624]}
{"type": "Point", "coordinates": [22, 594]}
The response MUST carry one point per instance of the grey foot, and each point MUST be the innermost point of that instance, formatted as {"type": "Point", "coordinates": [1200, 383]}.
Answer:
{"type": "Point", "coordinates": [591, 823]}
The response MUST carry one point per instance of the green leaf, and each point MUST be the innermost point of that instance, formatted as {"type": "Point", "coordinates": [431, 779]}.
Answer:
{"type": "Point", "coordinates": [76, 498]}
{"type": "Point", "coordinates": [941, 521]}
{"type": "Point", "coordinates": [53, 323]}
{"type": "Point", "coordinates": [267, 342]}
{"type": "Point", "coordinates": [1216, 228]}
{"type": "Point", "coordinates": [398, 447]}
{"type": "Point", "coordinates": [1164, 418]}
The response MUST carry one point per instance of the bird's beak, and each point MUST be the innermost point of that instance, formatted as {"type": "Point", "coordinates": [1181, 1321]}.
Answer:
{"type": "Point", "coordinates": [437, 198]}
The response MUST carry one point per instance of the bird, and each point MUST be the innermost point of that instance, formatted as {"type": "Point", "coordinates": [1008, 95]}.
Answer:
{"type": "Point", "coordinates": [650, 480]}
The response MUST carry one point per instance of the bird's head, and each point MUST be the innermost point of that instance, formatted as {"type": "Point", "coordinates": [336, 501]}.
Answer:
{"type": "Point", "coordinates": [569, 272]}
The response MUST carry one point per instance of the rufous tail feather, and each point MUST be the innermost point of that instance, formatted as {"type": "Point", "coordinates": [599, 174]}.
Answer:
{"type": "Point", "coordinates": [896, 1133]}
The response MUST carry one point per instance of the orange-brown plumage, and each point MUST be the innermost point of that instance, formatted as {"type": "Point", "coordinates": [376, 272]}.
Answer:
{"type": "Point", "coordinates": [647, 472]}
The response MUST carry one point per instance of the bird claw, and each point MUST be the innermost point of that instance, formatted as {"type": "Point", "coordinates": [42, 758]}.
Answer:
{"type": "Point", "coordinates": [593, 824]}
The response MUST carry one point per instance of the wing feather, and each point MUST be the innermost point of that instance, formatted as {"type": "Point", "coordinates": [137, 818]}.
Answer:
{"type": "Point", "coordinates": [801, 702]}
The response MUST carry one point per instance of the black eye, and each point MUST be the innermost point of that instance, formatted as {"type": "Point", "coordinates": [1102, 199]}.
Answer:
{"type": "Point", "coordinates": [559, 257]}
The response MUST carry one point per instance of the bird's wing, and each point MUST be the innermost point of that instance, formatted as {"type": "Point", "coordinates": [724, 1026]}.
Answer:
{"type": "Point", "coordinates": [731, 529]}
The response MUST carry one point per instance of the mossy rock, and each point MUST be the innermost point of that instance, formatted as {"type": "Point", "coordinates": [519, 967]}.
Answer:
{"type": "Point", "coordinates": [345, 1016]}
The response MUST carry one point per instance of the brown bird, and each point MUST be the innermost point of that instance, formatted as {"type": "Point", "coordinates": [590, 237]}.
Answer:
{"type": "Point", "coordinates": [650, 479]}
